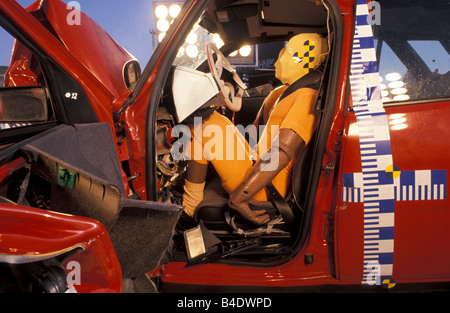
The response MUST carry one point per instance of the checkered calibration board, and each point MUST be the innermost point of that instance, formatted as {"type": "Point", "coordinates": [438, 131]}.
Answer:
{"type": "Point", "coordinates": [377, 188]}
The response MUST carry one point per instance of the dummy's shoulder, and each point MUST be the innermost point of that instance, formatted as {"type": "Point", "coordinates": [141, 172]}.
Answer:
{"type": "Point", "coordinates": [280, 89]}
{"type": "Point", "coordinates": [277, 92]}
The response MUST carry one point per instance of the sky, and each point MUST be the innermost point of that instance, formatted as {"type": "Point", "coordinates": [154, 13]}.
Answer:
{"type": "Point", "coordinates": [128, 21]}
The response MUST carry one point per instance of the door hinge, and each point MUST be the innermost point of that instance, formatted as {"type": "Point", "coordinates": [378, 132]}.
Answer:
{"type": "Point", "coordinates": [328, 168]}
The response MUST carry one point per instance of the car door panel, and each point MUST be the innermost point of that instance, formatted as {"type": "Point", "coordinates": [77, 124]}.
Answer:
{"type": "Point", "coordinates": [75, 170]}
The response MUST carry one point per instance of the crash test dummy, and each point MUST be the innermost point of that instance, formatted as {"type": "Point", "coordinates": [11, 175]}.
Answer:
{"type": "Point", "coordinates": [245, 178]}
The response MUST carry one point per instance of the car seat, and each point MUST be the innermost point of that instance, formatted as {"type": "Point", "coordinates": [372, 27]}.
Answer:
{"type": "Point", "coordinates": [215, 214]}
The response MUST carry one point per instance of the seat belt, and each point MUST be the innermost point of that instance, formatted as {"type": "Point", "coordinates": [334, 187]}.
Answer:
{"type": "Point", "coordinates": [24, 187]}
{"type": "Point", "coordinates": [281, 205]}
{"type": "Point", "coordinates": [312, 80]}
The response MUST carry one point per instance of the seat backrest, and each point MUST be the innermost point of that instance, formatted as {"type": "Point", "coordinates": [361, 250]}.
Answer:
{"type": "Point", "coordinates": [300, 175]}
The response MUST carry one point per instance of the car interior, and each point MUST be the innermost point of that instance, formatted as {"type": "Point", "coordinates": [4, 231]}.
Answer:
{"type": "Point", "coordinates": [266, 26]}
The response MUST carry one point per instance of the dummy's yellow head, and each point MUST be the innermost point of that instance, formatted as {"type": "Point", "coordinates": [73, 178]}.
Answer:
{"type": "Point", "coordinates": [302, 55]}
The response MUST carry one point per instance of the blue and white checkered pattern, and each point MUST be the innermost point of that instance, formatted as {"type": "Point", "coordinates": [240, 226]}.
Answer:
{"type": "Point", "coordinates": [376, 154]}
{"type": "Point", "coordinates": [409, 186]}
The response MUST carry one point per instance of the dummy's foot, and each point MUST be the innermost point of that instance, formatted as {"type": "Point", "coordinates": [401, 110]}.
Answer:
{"type": "Point", "coordinates": [186, 222]}
{"type": "Point", "coordinates": [258, 217]}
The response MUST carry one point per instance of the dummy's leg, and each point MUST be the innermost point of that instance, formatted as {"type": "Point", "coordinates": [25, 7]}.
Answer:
{"type": "Point", "coordinates": [194, 186]}
{"type": "Point", "coordinates": [239, 177]}
{"type": "Point", "coordinates": [263, 172]}
{"type": "Point", "coordinates": [228, 152]}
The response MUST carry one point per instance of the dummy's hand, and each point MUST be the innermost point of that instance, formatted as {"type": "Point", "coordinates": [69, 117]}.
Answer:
{"type": "Point", "coordinates": [255, 216]}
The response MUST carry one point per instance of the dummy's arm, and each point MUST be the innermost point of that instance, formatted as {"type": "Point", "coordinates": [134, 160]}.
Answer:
{"type": "Point", "coordinates": [264, 172]}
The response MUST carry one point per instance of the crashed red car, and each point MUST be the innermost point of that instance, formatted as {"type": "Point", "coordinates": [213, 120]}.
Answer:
{"type": "Point", "coordinates": [91, 193]}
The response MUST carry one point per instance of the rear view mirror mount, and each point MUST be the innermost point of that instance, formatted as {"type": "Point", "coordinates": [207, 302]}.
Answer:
{"type": "Point", "coordinates": [23, 104]}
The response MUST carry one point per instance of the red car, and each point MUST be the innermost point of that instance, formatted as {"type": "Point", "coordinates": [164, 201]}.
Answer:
{"type": "Point", "coordinates": [91, 192]}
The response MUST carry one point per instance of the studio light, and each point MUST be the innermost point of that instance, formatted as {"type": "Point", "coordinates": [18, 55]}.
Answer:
{"type": "Point", "coordinates": [164, 13]}
{"type": "Point", "coordinates": [245, 56]}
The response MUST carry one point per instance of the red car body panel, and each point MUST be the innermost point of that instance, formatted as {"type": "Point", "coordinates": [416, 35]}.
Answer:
{"type": "Point", "coordinates": [134, 120]}
{"type": "Point", "coordinates": [37, 34]}
{"type": "Point", "coordinates": [104, 92]}
{"type": "Point", "coordinates": [420, 225]}
{"type": "Point", "coordinates": [48, 234]}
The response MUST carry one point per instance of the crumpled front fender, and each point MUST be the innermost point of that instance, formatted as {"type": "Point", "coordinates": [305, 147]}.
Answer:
{"type": "Point", "coordinates": [29, 235]}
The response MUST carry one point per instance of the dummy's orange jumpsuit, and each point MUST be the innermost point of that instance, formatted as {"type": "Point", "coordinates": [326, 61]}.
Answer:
{"type": "Point", "coordinates": [213, 139]}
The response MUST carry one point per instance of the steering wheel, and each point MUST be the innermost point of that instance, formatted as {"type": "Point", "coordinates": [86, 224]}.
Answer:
{"type": "Point", "coordinates": [232, 98]}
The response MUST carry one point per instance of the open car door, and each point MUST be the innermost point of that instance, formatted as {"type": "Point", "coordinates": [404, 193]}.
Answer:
{"type": "Point", "coordinates": [62, 163]}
